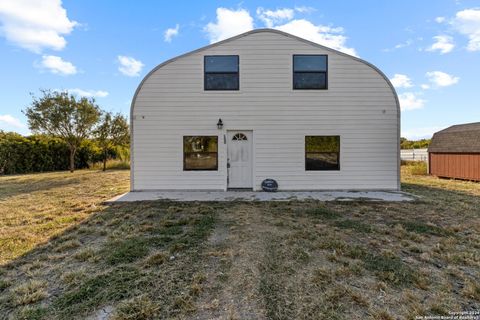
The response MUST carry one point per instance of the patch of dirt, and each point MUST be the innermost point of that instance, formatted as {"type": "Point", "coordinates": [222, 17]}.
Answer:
{"type": "Point", "coordinates": [102, 314]}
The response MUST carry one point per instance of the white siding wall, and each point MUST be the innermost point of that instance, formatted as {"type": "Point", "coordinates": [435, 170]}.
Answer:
{"type": "Point", "coordinates": [359, 105]}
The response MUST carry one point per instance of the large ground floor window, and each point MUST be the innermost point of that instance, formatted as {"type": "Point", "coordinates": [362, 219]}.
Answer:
{"type": "Point", "coordinates": [200, 153]}
{"type": "Point", "coordinates": [322, 153]}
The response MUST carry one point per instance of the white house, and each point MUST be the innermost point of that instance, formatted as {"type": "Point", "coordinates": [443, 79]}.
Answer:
{"type": "Point", "coordinates": [265, 104]}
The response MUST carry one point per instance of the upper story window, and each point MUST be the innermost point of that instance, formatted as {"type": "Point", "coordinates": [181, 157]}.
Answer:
{"type": "Point", "coordinates": [221, 73]}
{"type": "Point", "coordinates": [310, 71]}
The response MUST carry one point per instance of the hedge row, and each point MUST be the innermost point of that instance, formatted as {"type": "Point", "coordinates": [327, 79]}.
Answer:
{"type": "Point", "coordinates": [19, 154]}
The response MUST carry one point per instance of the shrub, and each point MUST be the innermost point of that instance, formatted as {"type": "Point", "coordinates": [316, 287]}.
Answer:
{"type": "Point", "coordinates": [418, 169]}
{"type": "Point", "coordinates": [40, 153]}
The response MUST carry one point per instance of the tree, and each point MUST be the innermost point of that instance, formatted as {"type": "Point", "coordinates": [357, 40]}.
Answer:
{"type": "Point", "coordinates": [63, 115]}
{"type": "Point", "coordinates": [112, 131]}
{"type": "Point", "coordinates": [414, 144]}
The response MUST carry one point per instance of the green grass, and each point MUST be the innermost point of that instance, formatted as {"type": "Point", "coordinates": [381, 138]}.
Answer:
{"type": "Point", "coordinates": [70, 257]}
{"type": "Point", "coordinates": [112, 286]}
{"type": "Point", "coordinates": [128, 271]}
{"type": "Point", "coordinates": [33, 313]}
{"type": "Point", "coordinates": [270, 288]}
{"type": "Point", "coordinates": [388, 268]}
{"type": "Point", "coordinates": [125, 251]}
{"type": "Point", "coordinates": [355, 225]}
{"type": "Point", "coordinates": [421, 227]}
{"type": "Point", "coordinates": [323, 212]}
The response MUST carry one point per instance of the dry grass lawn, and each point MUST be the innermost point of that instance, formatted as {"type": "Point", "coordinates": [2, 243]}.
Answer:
{"type": "Point", "coordinates": [64, 255]}
{"type": "Point", "coordinates": [35, 207]}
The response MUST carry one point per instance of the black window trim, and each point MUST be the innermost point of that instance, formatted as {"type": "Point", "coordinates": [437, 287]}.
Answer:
{"type": "Point", "coordinates": [293, 71]}
{"type": "Point", "coordinates": [230, 72]}
{"type": "Point", "coordinates": [184, 153]}
{"type": "Point", "coordinates": [338, 153]}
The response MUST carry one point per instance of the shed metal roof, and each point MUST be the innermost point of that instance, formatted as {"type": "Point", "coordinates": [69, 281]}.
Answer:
{"type": "Point", "coordinates": [462, 138]}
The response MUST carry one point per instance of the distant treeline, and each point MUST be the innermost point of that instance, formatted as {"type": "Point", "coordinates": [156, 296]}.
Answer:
{"type": "Point", "coordinates": [39, 153]}
{"type": "Point", "coordinates": [419, 144]}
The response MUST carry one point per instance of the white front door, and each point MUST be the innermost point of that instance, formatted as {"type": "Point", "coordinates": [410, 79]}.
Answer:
{"type": "Point", "coordinates": [240, 159]}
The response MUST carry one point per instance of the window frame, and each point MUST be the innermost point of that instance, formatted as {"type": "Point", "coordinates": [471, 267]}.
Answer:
{"type": "Point", "coordinates": [236, 137]}
{"type": "Point", "coordinates": [325, 72]}
{"type": "Point", "coordinates": [205, 72]}
{"type": "Point", "coordinates": [185, 158]}
{"type": "Point", "coordinates": [338, 153]}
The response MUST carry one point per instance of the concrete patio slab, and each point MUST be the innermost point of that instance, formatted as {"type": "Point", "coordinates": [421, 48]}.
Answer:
{"type": "Point", "coordinates": [262, 196]}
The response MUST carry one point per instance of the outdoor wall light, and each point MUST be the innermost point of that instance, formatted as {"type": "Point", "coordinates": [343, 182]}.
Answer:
{"type": "Point", "coordinates": [220, 124]}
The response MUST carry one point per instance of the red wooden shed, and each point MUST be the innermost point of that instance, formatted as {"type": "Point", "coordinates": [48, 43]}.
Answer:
{"type": "Point", "coordinates": [455, 152]}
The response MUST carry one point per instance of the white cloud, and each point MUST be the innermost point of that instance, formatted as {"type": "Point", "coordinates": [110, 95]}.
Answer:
{"type": "Point", "coordinates": [425, 86]}
{"type": "Point", "coordinates": [467, 22]}
{"type": "Point", "coordinates": [304, 9]}
{"type": "Point", "coordinates": [324, 35]}
{"type": "Point", "coordinates": [405, 44]}
{"type": "Point", "coordinates": [57, 65]}
{"type": "Point", "coordinates": [87, 93]}
{"type": "Point", "coordinates": [129, 66]}
{"type": "Point", "coordinates": [8, 120]}
{"type": "Point", "coordinates": [440, 19]}
{"type": "Point", "coordinates": [35, 25]}
{"type": "Point", "coordinates": [401, 81]}
{"type": "Point", "coordinates": [441, 79]}
{"type": "Point", "coordinates": [233, 22]}
{"type": "Point", "coordinates": [420, 133]}
{"type": "Point", "coordinates": [409, 101]}
{"type": "Point", "coordinates": [443, 43]}
{"type": "Point", "coordinates": [271, 17]}
{"type": "Point", "coordinates": [170, 33]}
{"type": "Point", "coordinates": [229, 23]}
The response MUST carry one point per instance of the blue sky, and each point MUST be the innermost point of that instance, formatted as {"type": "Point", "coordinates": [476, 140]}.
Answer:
{"type": "Point", "coordinates": [429, 48]}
